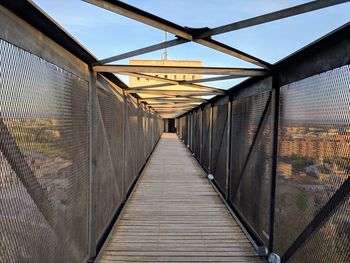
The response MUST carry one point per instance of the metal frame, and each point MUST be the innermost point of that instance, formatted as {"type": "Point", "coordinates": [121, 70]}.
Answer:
{"type": "Point", "coordinates": [201, 36]}
{"type": "Point", "coordinates": [165, 25]}
{"type": "Point", "coordinates": [275, 106]}
{"type": "Point", "coordinates": [31, 13]}
{"type": "Point", "coordinates": [247, 72]}
{"type": "Point", "coordinates": [327, 211]}
{"type": "Point", "coordinates": [93, 164]}
{"type": "Point", "coordinates": [170, 43]}
{"type": "Point", "coordinates": [284, 13]}
{"type": "Point", "coordinates": [34, 16]}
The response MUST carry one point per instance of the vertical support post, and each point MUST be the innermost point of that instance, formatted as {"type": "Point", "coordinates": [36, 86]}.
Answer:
{"type": "Point", "coordinates": [275, 106]}
{"type": "Point", "coordinates": [201, 135]}
{"type": "Point", "coordinates": [188, 129]}
{"type": "Point", "coordinates": [124, 144]}
{"type": "Point", "coordinates": [228, 147]}
{"type": "Point", "coordinates": [93, 165]}
{"type": "Point", "coordinates": [210, 138]}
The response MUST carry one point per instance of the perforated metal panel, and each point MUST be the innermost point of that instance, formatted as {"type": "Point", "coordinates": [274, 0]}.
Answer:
{"type": "Point", "coordinates": [186, 130]}
{"type": "Point", "coordinates": [131, 142]}
{"type": "Point", "coordinates": [110, 162]}
{"type": "Point", "coordinates": [190, 130]}
{"type": "Point", "coordinates": [44, 160]}
{"type": "Point", "coordinates": [141, 147]}
{"type": "Point", "coordinates": [219, 143]}
{"type": "Point", "coordinates": [206, 133]}
{"type": "Point", "coordinates": [149, 133]}
{"type": "Point", "coordinates": [313, 167]}
{"type": "Point", "coordinates": [198, 134]}
{"type": "Point", "coordinates": [145, 132]}
{"type": "Point", "coordinates": [330, 243]}
{"type": "Point", "coordinates": [251, 160]}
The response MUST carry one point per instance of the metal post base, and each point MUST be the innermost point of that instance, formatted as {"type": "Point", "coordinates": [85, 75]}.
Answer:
{"type": "Point", "coordinates": [274, 258]}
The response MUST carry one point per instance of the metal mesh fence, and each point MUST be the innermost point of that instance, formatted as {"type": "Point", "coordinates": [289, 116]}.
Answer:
{"type": "Point", "coordinates": [331, 241]}
{"type": "Point", "coordinates": [110, 161]}
{"type": "Point", "coordinates": [131, 142]}
{"type": "Point", "coordinates": [141, 147]}
{"type": "Point", "coordinates": [186, 130]}
{"type": "Point", "coordinates": [251, 156]}
{"type": "Point", "coordinates": [206, 133]}
{"type": "Point", "coordinates": [198, 134]}
{"type": "Point", "coordinates": [44, 160]}
{"type": "Point", "coordinates": [311, 207]}
{"type": "Point", "coordinates": [313, 164]}
{"type": "Point", "coordinates": [190, 130]}
{"type": "Point", "coordinates": [219, 143]}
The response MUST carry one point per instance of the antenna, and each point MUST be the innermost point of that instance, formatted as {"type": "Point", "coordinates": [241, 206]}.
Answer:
{"type": "Point", "coordinates": [165, 53]}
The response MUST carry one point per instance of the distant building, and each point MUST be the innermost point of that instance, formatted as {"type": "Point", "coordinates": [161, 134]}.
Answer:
{"type": "Point", "coordinates": [138, 81]}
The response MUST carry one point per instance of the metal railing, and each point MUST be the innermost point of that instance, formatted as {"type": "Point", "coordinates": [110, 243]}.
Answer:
{"type": "Point", "coordinates": [278, 148]}
{"type": "Point", "coordinates": [72, 144]}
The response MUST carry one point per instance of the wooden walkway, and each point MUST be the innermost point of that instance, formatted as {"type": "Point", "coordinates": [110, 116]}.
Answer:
{"type": "Point", "coordinates": [174, 215]}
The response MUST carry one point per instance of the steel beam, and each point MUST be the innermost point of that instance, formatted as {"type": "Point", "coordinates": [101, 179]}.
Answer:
{"type": "Point", "coordinates": [195, 88]}
{"type": "Point", "coordinates": [288, 12]}
{"type": "Point", "coordinates": [17, 160]}
{"type": "Point", "coordinates": [275, 107]}
{"type": "Point", "coordinates": [172, 109]}
{"type": "Point", "coordinates": [169, 103]}
{"type": "Point", "coordinates": [174, 92]}
{"type": "Point", "coordinates": [168, 82]}
{"type": "Point", "coordinates": [213, 44]}
{"type": "Point", "coordinates": [183, 82]}
{"type": "Point", "coordinates": [150, 77]}
{"type": "Point", "coordinates": [182, 70]}
{"type": "Point", "coordinates": [183, 32]}
{"type": "Point", "coordinates": [142, 16]}
{"type": "Point", "coordinates": [170, 106]}
{"type": "Point", "coordinates": [144, 50]}
{"type": "Point", "coordinates": [178, 95]}
{"type": "Point", "coordinates": [172, 99]}
{"type": "Point", "coordinates": [340, 196]}
{"type": "Point", "coordinates": [211, 79]}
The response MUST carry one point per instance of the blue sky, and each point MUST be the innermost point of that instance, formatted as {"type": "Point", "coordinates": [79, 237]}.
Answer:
{"type": "Point", "coordinates": [106, 34]}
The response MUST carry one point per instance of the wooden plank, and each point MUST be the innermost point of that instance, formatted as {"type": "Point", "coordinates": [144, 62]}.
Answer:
{"type": "Point", "coordinates": [174, 215]}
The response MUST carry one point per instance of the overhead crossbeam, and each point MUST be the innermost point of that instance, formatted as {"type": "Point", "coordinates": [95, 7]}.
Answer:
{"type": "Point", "coordinates": [172, 108]}
{"type": "Point", "coordinates": [179, 95]}
{"type": "Point", "coordinates": [160, 23]}
{"type": "Point", "coordinates": [174, 92]}
{"type": "Point", "coordinates": [196, 88]}
{"type": "Point", "coordinates": [142, 16]}
{"type": "Point", "coordinates": [213, 44]}
{"type": "Point", "coordinates": [168, 82]}
{"type": "Point", "coordinates": [173, 111]}
{"type": "Point", "coordinates": [172, 99]}
{"type": "Point", "coordinates": [171, 105]}
{"type": "Point", "coordinates": [150, 77]}
{"type": "Point", "coordinates": [284, 13]}
{"type": "Point", "coordinates": [141, 51]}
{"type": "Point", "coordinates": [182, 70]}
{"type": "Point", "coordinates": [183, 82]}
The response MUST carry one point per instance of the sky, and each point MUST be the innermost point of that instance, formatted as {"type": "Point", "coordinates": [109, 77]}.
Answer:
{"type": "Point", "coordinates": [107, 34]}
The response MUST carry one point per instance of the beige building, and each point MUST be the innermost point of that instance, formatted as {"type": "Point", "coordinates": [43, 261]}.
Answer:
{"type": "Point", "coordinates": [137, 81]}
